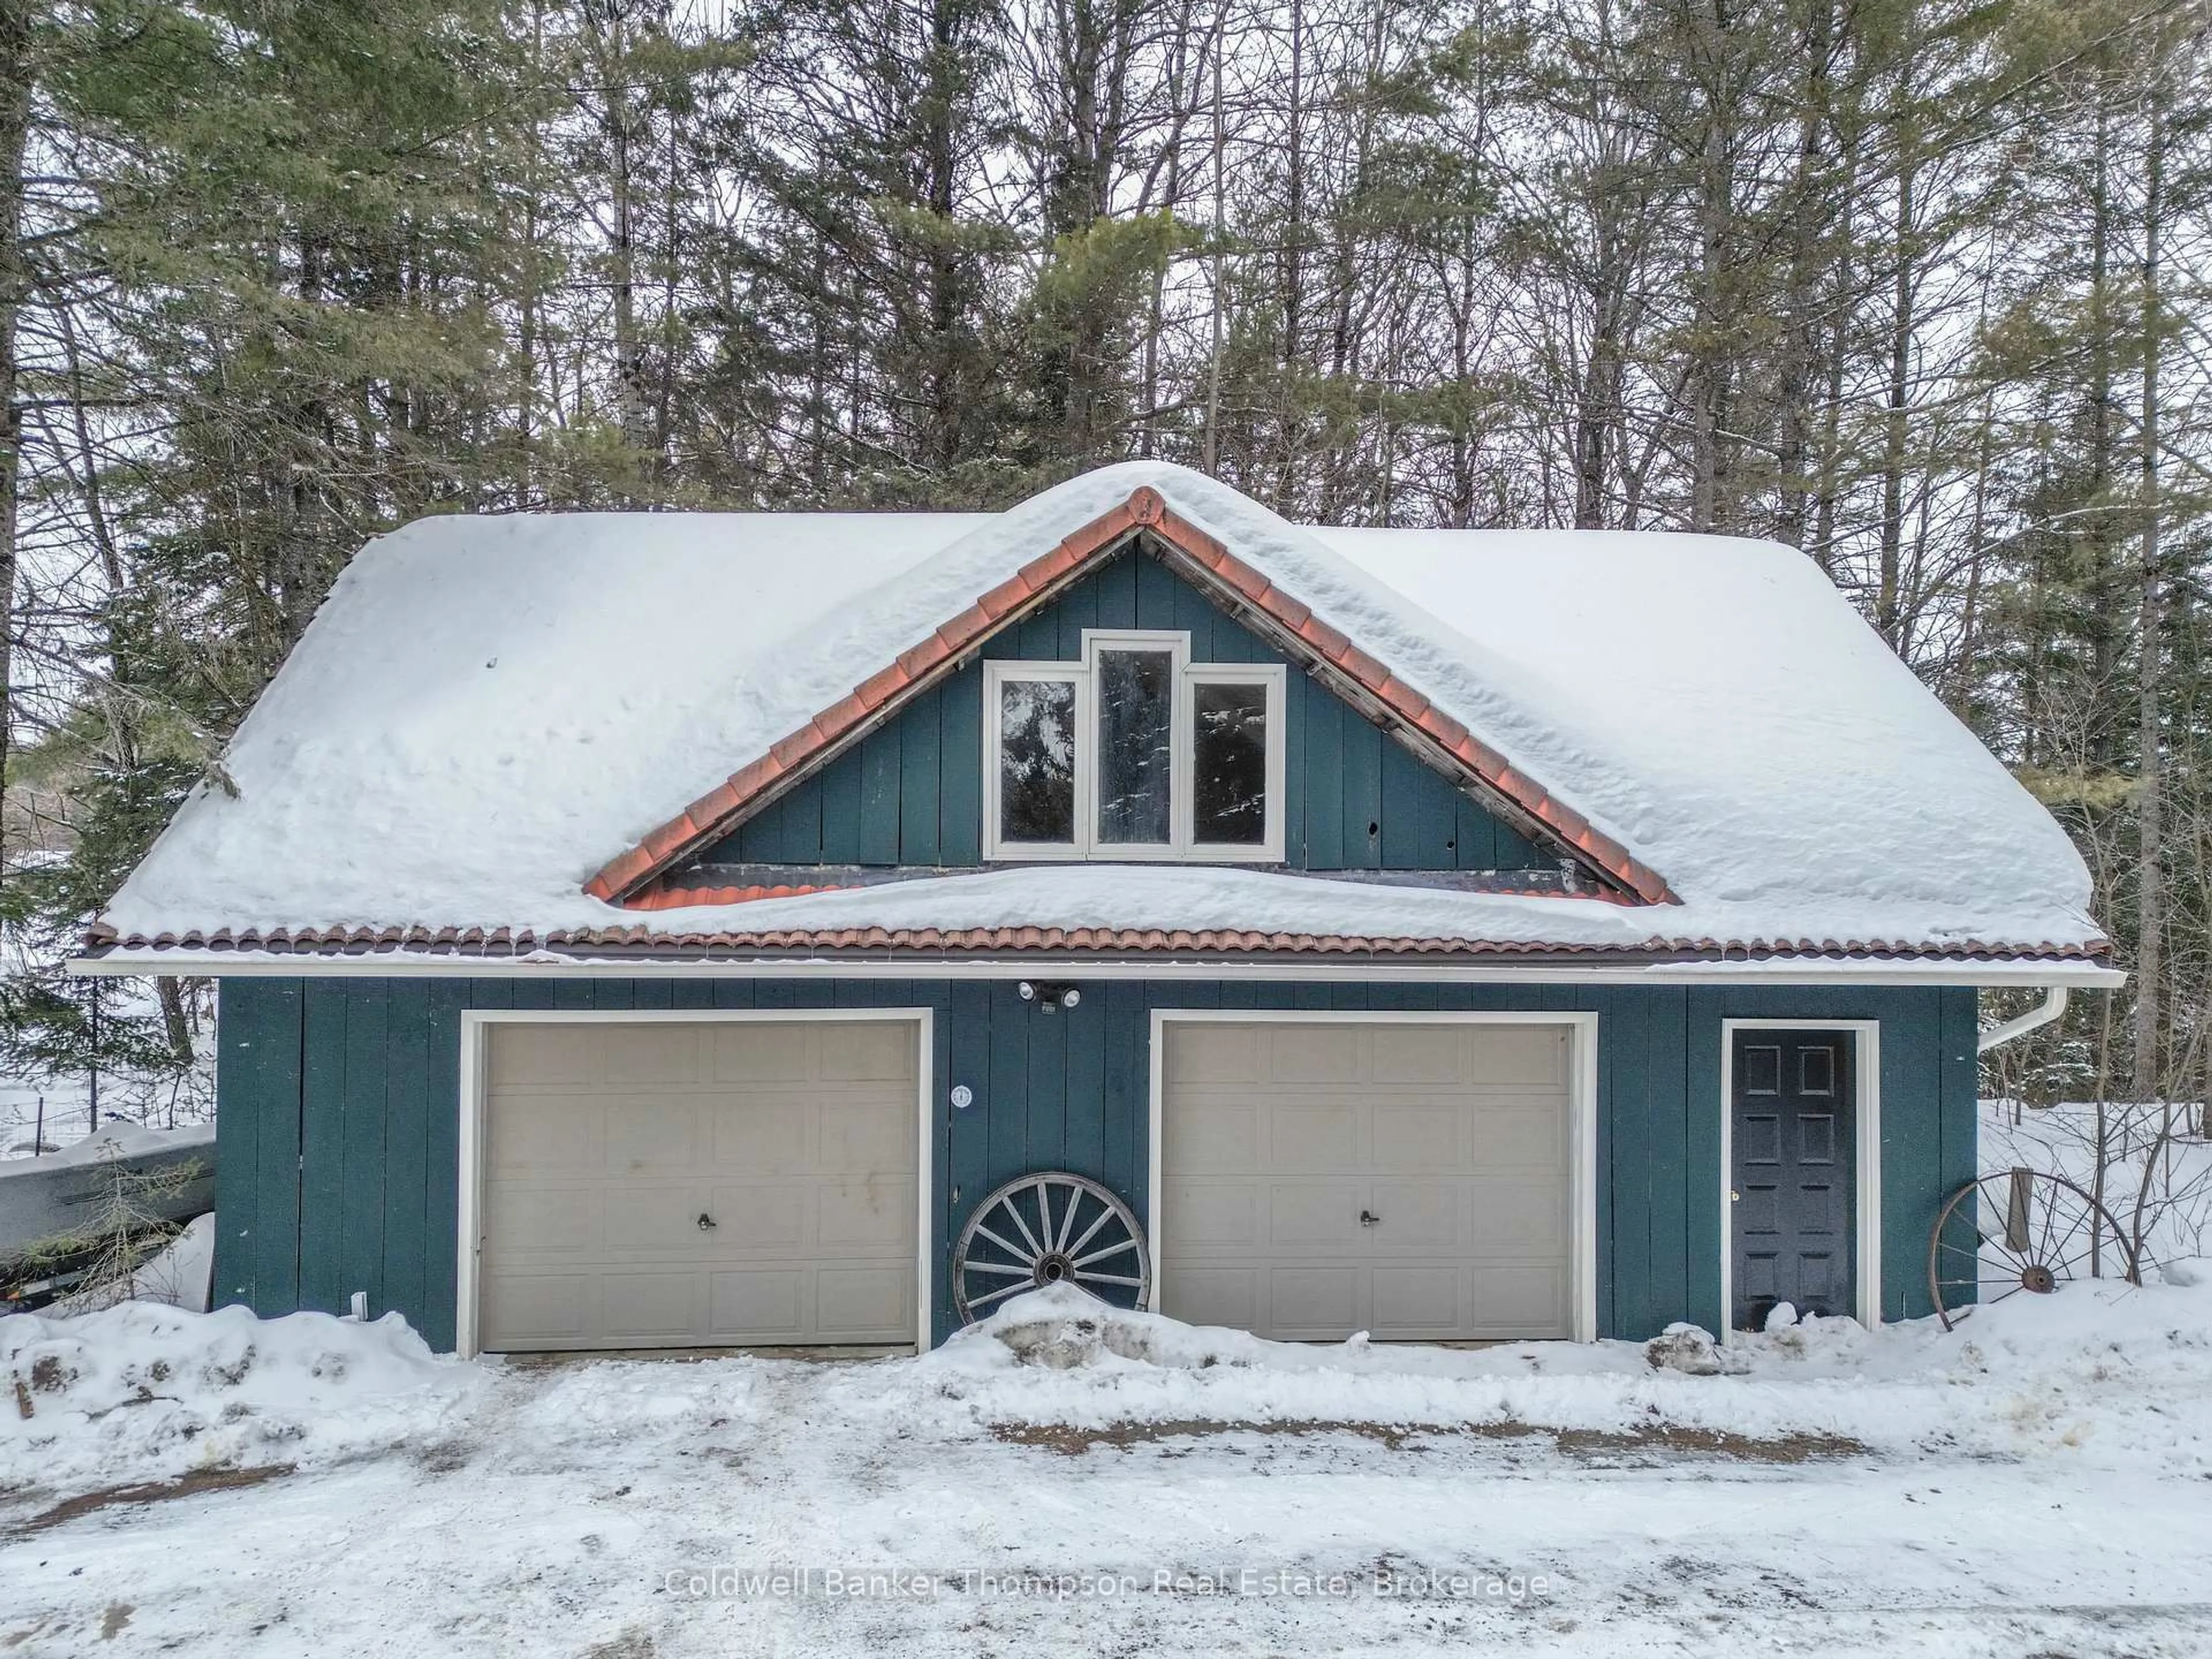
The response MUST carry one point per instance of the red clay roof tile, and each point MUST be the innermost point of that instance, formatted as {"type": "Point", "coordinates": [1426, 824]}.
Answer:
{"type": "Point", "coordinates": [791, 749]}
{"type": "Point", "coordinates": [505, 940]}
{"type": "Point", "coordinates": [918, 661]}
{"type": "Point", "coordinates": [1241, 577]}
{"type": "Point", "coordinates": [1445, 729]}
{"type": "Point", "coordinates": [1285, 609]}
{"type": "Point", "coordinates": [1361, 666]}
{"type": "Point", "coordinates": [1410, 704]}
{"type": "Point", "coordinates": [715, 805]}
{"type": "Point", "coordinates": [1009, 595]}
{"type": "Point", "coordinates": [880, 687]}
{"type": "Point", "coordinates": [1323, 638]}
{"type": "Point", "coordinates": [841, 716]}
{"type": "Point", "coordinates": [1046, 569]}
{"type": "Point", "coordinates": [965, 629]}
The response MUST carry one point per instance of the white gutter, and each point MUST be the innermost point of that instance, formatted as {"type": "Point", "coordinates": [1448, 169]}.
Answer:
{"type": "Point", "coordinates": [2052, 1005]}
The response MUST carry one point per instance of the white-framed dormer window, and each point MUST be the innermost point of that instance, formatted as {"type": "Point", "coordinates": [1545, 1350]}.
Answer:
{"type": "Point", "coordinates": [1135, 752]}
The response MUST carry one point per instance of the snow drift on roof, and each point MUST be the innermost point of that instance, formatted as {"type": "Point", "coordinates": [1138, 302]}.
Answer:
{"type": "Point", "coordinates": [486, 710]}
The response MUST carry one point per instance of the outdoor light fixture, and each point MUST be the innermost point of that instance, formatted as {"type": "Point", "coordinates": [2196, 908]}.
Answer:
{"type": "Point", "coordinates": [1050, 998]}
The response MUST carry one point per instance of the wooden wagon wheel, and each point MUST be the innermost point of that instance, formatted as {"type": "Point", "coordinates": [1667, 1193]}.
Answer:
{"type": "Point", "coordinates": [1053, 1228]}
{"type": "Point", "coordinates": [2020, 1229]}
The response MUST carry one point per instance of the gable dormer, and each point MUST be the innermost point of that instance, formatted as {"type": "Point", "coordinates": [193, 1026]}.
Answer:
{"type": "Point", "coordinates": [1136, 695]}
{"type": "Point", "coordinates": [1252, 761]}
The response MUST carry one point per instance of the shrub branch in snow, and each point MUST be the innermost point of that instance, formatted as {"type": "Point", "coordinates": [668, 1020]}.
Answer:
{"type": "Point", "coordinates": [2141, 1159]}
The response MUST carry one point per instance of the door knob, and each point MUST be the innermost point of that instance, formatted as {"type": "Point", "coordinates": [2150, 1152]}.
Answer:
{"type": "Point", "coordinates": [706, 1221]}
{"type": "Point", "coordinates": [1735, 1197]}
{"type": "Point", "coordinates": [1368, 1219]}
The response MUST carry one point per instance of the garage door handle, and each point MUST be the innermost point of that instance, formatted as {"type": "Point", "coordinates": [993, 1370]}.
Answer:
{"type": "Point", "coordinates": [706, 1221]}
{"type": "Point", "coordinates": [1367, 1219]}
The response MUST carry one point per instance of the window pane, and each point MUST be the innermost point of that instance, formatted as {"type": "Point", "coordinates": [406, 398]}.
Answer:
{"type": "Point", "coordinates": [1230, 765]}
{"type": "Point", "coordinates": [1036, 760]}
{"type": "Point", "coordinates": [1136, 721]}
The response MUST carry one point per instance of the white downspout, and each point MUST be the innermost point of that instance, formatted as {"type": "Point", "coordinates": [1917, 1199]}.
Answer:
{"type": "Point", "coordinates": [2052, 1005]}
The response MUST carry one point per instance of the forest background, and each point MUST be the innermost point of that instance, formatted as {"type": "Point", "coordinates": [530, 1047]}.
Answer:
{"type": "Point", "coordinates": [1918, 287]}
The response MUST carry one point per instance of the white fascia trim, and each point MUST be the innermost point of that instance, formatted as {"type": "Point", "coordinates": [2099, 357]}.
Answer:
{"type": "Point", "coordinates": [1866, 1150]}
{"type": "Point", "coordinates": [1581, 1117]}
{"type": "Point", "coordinates": [475, 1099]}
{"type": "Point", "coordinates": [394, 962]}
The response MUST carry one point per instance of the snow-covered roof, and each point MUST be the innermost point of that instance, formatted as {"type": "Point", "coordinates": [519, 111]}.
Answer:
{"type": "Point", "coordinates": [488, 710]}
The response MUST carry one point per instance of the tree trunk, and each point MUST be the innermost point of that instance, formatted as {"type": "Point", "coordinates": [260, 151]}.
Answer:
{"type": "Point", "coordinates": [1598, 404]}
{"type": "Point", "coordinates": [622, 251]}
{"type": "Point", "coordinates": [169, 991]}
{"type": "Point", "coordinates": [1888, 599]}
{"type": "Point", "coordinates": [530, 298]}
{"type": "Point", "coordinates": [1800, 341]}
{"type": "Point", "coordinates": [2105, 626]}
{"type": "Point", "coordinates": [1293, 269]}
{"type": "Point", "coordinates": [15, 292]}
{"type": "Point", "coordinates": [1828, 473]}
{"type": "Point", "coordinates": [2150, 919]}
{"type": "Point", "coordinates": [1710, 369]}
{"type": "Point", "coordinates": [943, 374]}
{"type": "Point", "coordinates": [1219, 307]}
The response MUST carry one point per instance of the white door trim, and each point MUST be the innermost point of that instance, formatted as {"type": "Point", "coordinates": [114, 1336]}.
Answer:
{"type": "Point", "coordinates": [475, 1023]}
{"type": "Point", "coordinates": [1866, 1150]}
{"type": "Point", "coordinates": [1581, 1117]}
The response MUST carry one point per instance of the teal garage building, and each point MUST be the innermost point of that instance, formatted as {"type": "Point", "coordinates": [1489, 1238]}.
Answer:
{"type": "Point", "coordinates": [812, 930]}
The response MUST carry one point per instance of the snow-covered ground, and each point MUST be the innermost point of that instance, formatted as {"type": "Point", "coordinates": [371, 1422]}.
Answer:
{"type": "Point", "coordinates": [2039, 1482]}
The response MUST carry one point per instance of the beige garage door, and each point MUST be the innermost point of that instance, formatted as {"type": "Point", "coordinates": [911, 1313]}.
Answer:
{"type": "Point", "coordinates": [1408, 1180]}
{"type": "Point", "coordinates": [607, 1145]}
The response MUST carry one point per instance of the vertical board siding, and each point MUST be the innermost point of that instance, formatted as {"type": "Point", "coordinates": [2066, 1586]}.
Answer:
{"type": "Point", "coordinates": [1667, 1153]}
{"type": "Point", "coordinates": [1004, 1097]}
{"type": "Point", "coordinates": [1962, 1115]}
{"type": "Point", "coordinates": [258, 1080]}
{"type": "Point", "coordinates": [360, 1208]}
{"type": "Point", "coordinates": [1625, 1045]}
{"type": "Point", "coordinates": [918, 770]}
{"type": "Point", "coordinates": [322, 1146]}
{"type": "Point", "coordinates": [407, 1141]}
{"type": "Point", "coordinates": [275, 1085]}
{"type": "Point", "coordinates": [1360, 793]}
{"type": "Point", "coordinates": [839, 789]}
{"type": "Point", "coordinates": [1912, 1146]}
{"type": "Point", "coordinates": [967, 1049]}
{"type": "Point", "coordinates": [911, 794]}
{"type": "Point", "coordinates": [1704, 1239]}
{"type": "Point", "coordinates": [339, 1139]}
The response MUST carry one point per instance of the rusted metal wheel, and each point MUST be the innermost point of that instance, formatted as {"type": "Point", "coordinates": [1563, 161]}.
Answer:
{"type": "Point", "coordinates": [2020, 1229]}
{"type": "Point", "coordinates": [1052, 1228]}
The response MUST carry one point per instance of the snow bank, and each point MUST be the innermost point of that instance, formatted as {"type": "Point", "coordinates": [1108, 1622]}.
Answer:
{"type": "Point", "coordinates": [2125, 1369]}
{"type": "Point", "coordinates": [2101, 1373]}
{"type": "Point", "coordinates": [140, 1393]}
{"type": "Point", "coordinates": [115, 1139]}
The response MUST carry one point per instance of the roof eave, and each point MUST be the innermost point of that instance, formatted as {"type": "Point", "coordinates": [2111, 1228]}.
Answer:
{"type": "Point", "coordinates": [634, 952]}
